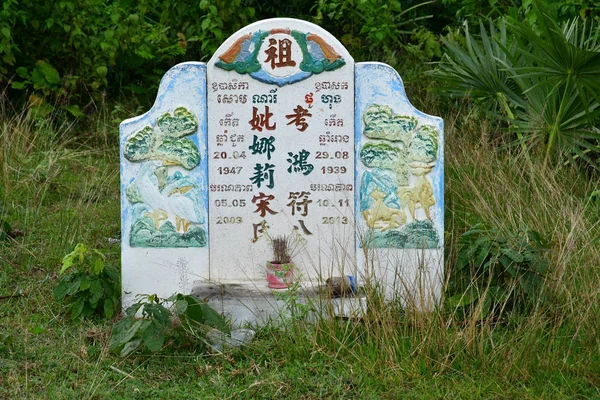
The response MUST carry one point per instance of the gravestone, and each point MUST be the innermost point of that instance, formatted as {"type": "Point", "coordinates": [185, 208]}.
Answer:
{"type": "Point", "coordinates": [281, 133]}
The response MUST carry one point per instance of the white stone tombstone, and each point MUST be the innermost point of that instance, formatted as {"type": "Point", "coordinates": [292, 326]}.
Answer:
{"type": "Point", "coordinates": [281, 106]}
{"type": "Point", "coordinates": [281, 133]}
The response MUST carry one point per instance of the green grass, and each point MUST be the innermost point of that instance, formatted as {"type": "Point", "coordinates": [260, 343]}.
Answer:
{"type": "Point", "coordinates": [60, 190]}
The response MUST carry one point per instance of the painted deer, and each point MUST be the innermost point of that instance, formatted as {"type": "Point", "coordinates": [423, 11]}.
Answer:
{"type": "Point", "coordinates": [421, 194]}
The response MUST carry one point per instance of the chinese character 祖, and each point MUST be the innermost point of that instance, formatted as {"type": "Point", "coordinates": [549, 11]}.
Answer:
{"type": "Point", "coordinates": [298, 118]}
{"type": "Point", "coordinates": [263, 173]}
{"type": "Point", "coordinates": [260, 121]}
{"type": "Point", "coordinates": [262, 146]}
{"type": "Point", "coordinates": [261, 228]}
{"type": "Point", "coordinates": [262, 206]}
{"type": "Point", "coordinates": [300, 202]}
{"type": "Point", "coordinates": [280, 56]}
{"type": "Point", "coordinates": [298, 163]}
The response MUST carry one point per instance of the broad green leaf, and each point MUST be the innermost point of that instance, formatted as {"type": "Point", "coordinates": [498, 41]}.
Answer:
{"type": "Point", "coordinates": [74, 110]}
{"type": "Point", "coordinates": [193, 310]}
{"type": "Point", "coordinates": [22, 72]}
{"type": "Point", "coordinates": [97, 266]}
{"type": "Point", "coordinates": [211, 316]}
{"type": "Point", "coordinates": [61, 290]}
{"type": "Point", "coordinates": [108, 286]}
{"type": "Point", "coordinates": [119, 332]}
{"type": "Point", "coordinates": [19, 85]}
{"type": "Point", "coordinates": [130, 347]}
{"type": "Point", "coordinates": [50, 74]}
{"type": "Point", "coordinates": [174, 297]}
{"type": "Point", "coordinates": [158, 313]}
{"type": "Point", "coordinates": [134, 329]}
{"type": "Point", "coordinates": [133, 309]}
{"type": "Point", "coordinates": [498, 294]}
{"type": "Point", "coordinates": [111, 272]}
{"type": "Point", "coordinates": [205, 24]}
{"type": "Point", "coordinates": [95, 291]}
{"type": "Point", "coordinates": [87, 311]}
{"type": "Point", "coordinates": [180, 306]}
{"type": "Point", "coordinates": [513, 255]}
{"type": "Point", "coordinates": [102, 71]}
{"type": "Point", "coordinates": [85, 283]}
{"type": "Point", "coordinates": [76, 308]}
{"type": "Point", "coordinates": [69, 259]}
{"type": "Point", "coordinates": [153, 336]}
{"type": "Point", "coordinates": [74, 284]}
{"type": "Point", "coordinates": [109, 307]}
{"type": "Point", "coordinates": [463, 299]}
{"type": "Point", "coordinates": [484, 252]}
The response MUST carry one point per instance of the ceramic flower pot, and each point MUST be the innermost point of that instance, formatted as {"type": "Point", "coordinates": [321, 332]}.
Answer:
{"type": "Point", "coordinates": [280, 276]}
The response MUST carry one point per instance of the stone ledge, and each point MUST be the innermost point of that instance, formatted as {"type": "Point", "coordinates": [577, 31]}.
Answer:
{"type": "Point", "coordinates": [255, 304]}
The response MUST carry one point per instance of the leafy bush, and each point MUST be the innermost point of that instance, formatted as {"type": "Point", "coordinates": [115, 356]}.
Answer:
{"type": "Point", "coordinates": [543, 81]}
{"type": "Point", "coordinates": [157, 322]}
{"type": "Point", "coordinates": [375, 29]}
{"type": "Point", "coordinates": [561, 10]}
{"type": "Point", "coordinates": [90, 286]}
{"type": "Point", "coordinates": [72, 51]}
{"type": "Point", "coordinates": [496, 273]}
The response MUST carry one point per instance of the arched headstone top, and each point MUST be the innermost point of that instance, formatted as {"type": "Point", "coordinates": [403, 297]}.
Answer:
{"type": "Point", "coordinates": [281, 51]}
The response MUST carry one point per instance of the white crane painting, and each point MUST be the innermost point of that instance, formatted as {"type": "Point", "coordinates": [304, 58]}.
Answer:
{"type": "Point", "coordinates": [167, 209]}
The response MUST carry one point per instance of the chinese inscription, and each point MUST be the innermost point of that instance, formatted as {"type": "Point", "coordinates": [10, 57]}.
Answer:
{"type": "Point", "coordinates": [287, 148]}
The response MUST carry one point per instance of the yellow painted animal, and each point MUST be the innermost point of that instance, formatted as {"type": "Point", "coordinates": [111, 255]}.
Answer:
{"type": "Point", "coordinates": [382, 217]}
{"type": "Point", "coordinates": [421, 194]}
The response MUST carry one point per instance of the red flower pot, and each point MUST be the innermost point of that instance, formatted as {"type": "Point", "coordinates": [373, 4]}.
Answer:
{"type": "Point", "coordinates": [280, 276]}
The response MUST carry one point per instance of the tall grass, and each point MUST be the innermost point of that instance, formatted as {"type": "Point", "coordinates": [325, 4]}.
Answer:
{"type": "Point", "coordinates": [558, 339]}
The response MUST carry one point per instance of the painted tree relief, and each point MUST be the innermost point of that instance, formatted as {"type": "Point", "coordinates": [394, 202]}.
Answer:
{"type": "Point", "coordinates": [167, 204]}
{"type": "Point", "coordinates": [395, 186]}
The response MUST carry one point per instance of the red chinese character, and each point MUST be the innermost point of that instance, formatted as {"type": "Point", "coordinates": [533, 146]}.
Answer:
{"type": "Point", "coordinates": [280, 56]}
{"type": "Point", "coordinates": [260, 121]}
{"type": "Point", "coordinates": [262, 206]}
{"type": "Point", "coordinates": [298, 118]}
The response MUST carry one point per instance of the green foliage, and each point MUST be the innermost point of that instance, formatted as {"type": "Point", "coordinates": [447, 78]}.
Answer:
{"type": "Point", "coordinates": [496, 273]}
{"type": "Point", "coordinates": [543, 81]}
{"type": "Point", "coordinates": [375, 29]}
{"type": "Point", "coordinates": [561, 10]}
{"type": "Point", "coordinates": [72, 51]}
{"type": "Point", "coordinates": [157, 322]}
{"type": "Point", "coordinates": [90, 286]}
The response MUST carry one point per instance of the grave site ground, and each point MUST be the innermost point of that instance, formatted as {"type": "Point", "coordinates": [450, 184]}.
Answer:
{"type": "Point", "coordinates": [59, 186]}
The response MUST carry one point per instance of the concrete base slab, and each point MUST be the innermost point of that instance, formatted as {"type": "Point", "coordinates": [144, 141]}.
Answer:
{"type": "Point", "coordinates": [255, 304]}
